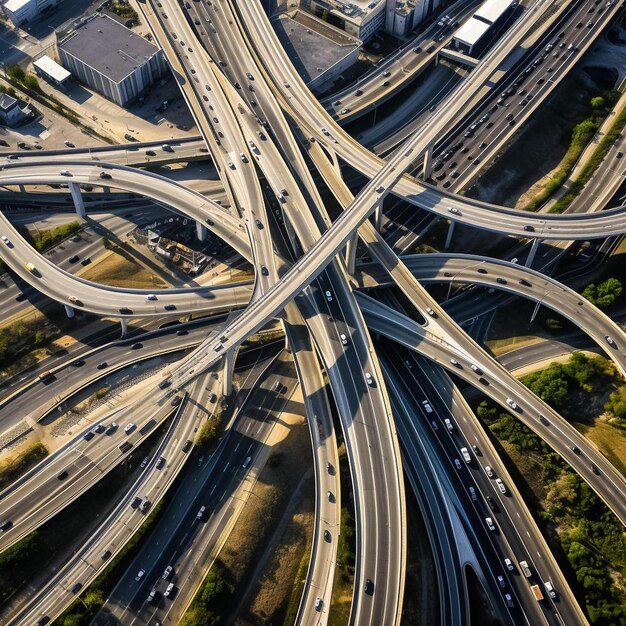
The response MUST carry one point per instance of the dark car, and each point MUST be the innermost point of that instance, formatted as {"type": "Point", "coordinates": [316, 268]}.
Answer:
{"type": "Point", "coordinates": [369, 587]}
{"type": "Point", "coordinates": [78, 363]}
{"type": "Point", "coordinates": [73, 259]}
{"type": "Point", "coordinates": [105, 175]}
{"type": "Point", "coordinates": [491, 503]}
{"type": "Point", "coordinates": [182, 331]}
{"type": "Point", "coordinates": [102, 365]}
{"type": "Point", "coordinates": [63, 475]}
{"type": "Point", "coordinates": [89, 436]}
{"type": "Point", "coordinates": [137, 346]}
{"type": "Point", "coordinates": [6, 524]}
{"type": "Point", "coordinates": [170, 307]}
{"type": "Point", "coordinates": [86, 261]}
{"type": "Point", "coordinates": [125, 311]}
{"type": "Point", "coordinates": [187, 446]}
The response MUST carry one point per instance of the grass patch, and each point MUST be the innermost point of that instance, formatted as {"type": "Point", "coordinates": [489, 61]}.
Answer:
{"type": "Point", "coordinates": [117, 268]}
{"type": "Point", "coordinates": [341, 602]}
{"type": "Point", "coordinates": [45, 239]}
{"type": "Point", "coordinates": [582, 134]}
{"type": "Point", "coordinates": [11, 469]}
{"type": "Point", "coordinates": [592, 164]}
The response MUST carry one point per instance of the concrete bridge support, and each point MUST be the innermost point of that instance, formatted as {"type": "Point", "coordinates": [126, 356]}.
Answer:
{"type": "Point", "coordinates": [228, 369]}
{"type": "Point", "coordinates": [69, 311]}
{"type": "Point", "coordinates": [351, 247]}
{"type": "Point", "coordinates": [79, 205]}
{"type": "Point", "coordinates": [428, 162]}
{"type": "Point", "coordinates": [450, 233]}
{"type": "Point", "coordinates": [124, 323]}
{"type": "Point", "coordinates": [532, 253]}
{"type": "Point", "coordinates": [201, 231]}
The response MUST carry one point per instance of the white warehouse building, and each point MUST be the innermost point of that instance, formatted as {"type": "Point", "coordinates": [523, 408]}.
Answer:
{"type": "Point", "coordinates": [111, 59]}
{"type": "Point", "coordinates": [20, 11]}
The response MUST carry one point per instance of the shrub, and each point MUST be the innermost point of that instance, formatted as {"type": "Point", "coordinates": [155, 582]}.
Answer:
{"type": "Point", "coordinates": [605, 294]}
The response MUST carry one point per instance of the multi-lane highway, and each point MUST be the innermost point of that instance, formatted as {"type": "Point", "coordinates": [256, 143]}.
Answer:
{"type": "Point", "coordinates": [263, 131]}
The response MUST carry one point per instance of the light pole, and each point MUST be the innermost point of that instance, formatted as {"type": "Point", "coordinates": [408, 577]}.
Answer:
{"type": "Point", "coordinates": [467, 267]}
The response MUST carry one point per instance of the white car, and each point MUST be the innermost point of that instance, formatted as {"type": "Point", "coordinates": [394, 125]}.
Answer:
{"type": "Point", "coordinates": [454, 210]}
{"type": "Point", "coordinates": [509, 565]}
{"type": "Point", "coordinates": [476, 369]}
{"type": "Point", "coordinates": [501, 485]}
{"type": "Point", "coordinates": [243, 157]}
{"type": "Point", "coordinates": [368, 379]}
{"type": "Point", "coordinates": [430, 312]}
{"type": "Point", "coordinates": [5, 239]}
{"type": "Point", "coordinates": [455, 363]}
{"type": "Point", "coordinates": [511, 403]}
{"type": "Point", "coordinates": [509, 600]}
{"type": "Point", "coordinates": [65, 173]}
{"type": "Point", "coordinates": [489, 471]}
{"type": "Point", "coordinates": [129, 428]}
{"type": "Point", "coordinates": [329, 296]}
{"type": "Point", "coordinates": [151, 296]}
{"type": "Point", "coordinates": [344, 339]}
{"type": "Point", "coordinates": [427, 406]}
{"type": "Point", "coordinates": [448, 424]}
{"type": "Point", "coordinates": [550, 589]}
{"type": "Point", "coordinates": [472, 492]}
{"type": "Point", "coordinates": [501, 580]}
{"type": "Point", "coordinates": [231, 165]}
{"type": "Point", "coordinates": [140, 575]}
{"type": "Point", "coordinates": [490, 524]}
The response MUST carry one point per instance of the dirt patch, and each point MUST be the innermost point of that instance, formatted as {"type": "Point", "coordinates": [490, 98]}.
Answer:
{"type": "Point", "coordinates": [281, 578]}
{"type": "Point", "coordinates": [119, 269]}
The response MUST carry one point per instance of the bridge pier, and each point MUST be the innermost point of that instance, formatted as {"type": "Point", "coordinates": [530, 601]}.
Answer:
{"type": "Point", "coordinates": [79, 205]}
{"type": "Point", "coordinates": [201, 231]}
{"type": "Point", "coordinates": [227, 372]}
{"type": "Point", "coordinates": [69, 311]}
{"type": "Point", "coordinates": [428, 162]}
{"type": "Point", "coordinates": [532, 253]}
{"type": "Point", "coordinates": [351, 247]}
{"type": "Point", "coordinates": [124, 323]}
{"type": "Point", "coordinates": [450, 233]}
{"type": "Point", "coordinates": [378, 217]}
{"type": "Point", "coordinates": [22, 188]}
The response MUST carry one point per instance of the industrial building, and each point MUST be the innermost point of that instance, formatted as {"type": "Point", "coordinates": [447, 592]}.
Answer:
{"type": "Point", "coordinates": [471, 37]}
{"type": "Point", "coordinates": [364, 18]}
{"type": "Point", "coordinates": [10, 112]}
{"type": "Point", "coordinates": [111, 59]}
{"type": "Point", "coordinates": [20, 11]}
{"type": "Point", "coordinates": [49, 69]}
{"type": "Point", "coordinates": [320, 52]}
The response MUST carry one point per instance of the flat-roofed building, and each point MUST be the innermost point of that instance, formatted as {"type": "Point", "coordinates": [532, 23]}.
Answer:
{"type": "Point", "coordinates": [492, 10]}
{"type": "Point", "coordinates": [20, 11]}
{"type": "Point", "coordinates": [468, 36]}
{"type": "Point", "coordinates": [51, 71]}
{"type": "Point", "coordinates": [111, 59]}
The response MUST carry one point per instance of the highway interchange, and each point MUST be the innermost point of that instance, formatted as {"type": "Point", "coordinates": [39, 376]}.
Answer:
{"type": "Point", "coordinates": [363, 362]}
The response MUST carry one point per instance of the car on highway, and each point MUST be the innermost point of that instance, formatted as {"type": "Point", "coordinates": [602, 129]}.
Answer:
{"type": "Point", "coordinates": [344, 339]}
{"type": "Point", "coordinates": [105, 175]}
{"type": "Point", "coordinates": [137, 346]}
{"type": "Point", "coordinates": [454, 210]}
{"type": "Point", "coordinates": [501, 485]}
{"type": "Point", "coordinates": [200, 513]}
{"type": "Point", "coordinates": [187, 445]}
{"type": "Point", "coordinates": [609, 340]}
{"type": "Point", "coordinates": [169, 592]}
{"type": "Point", "coordinates": [6, 525]}
{"type": "Point", "coordinates": [102, 365]}
{"type": "Point", "coordinates": [327, 536]}
{"type": "Point", "coordinates": [319, 603]}
{"type": "Point", "coordinates": [145, 505]}
{"type": "Point", "coordinates": [511, 403]}
{"type": "Point", "coordinates": [153, 596]}
{"type": "Point", "coordinates": [151, 296]}
{"type": "Point", "coordinates": [129, 428]}
{"type": "Point", "coordinates": [369, 587]}
{"type": "Point", "coordinates": [7, 241]}
{"type": "Point", "coordinates": [490, 525]}
{"type": "Point", "coordinates": [489, 471]}
{"type": "Point", "coordinates": [509, 599]}
{"type": "Point", "coordinates": [368, 379]}
{"type": "Point", "coordinates": [140, 574]}
{"type": "Point", "coordinates": [509, 565]}
{"type": "Point", "coordinates": [170, 307]}
{"type": "Point", "coordinates": [550, 589]}
{"type": "Point", "coordinates": [455, 363]}
{"type": "Point", "coordinates": [160, 464]}
{"type": "Point", "coordinates": [427, 406]}
{"type": "Point", "coordinates": [76, 301]}
{"type": "Point", "coordinates": [89, 435]}
{"type": "Point", "coordinates": [501, 581]}
{"type": "Point", "coordinates": [472, 493]}
{"type": "Point", "coordinates": [458, 464]}
{"type": "Point", "coordinates": [430, 312]}
{"type": "Point", "coordinates": [167, 573]}
{"type": "Point", "coordinates": [448, 424]}
{"type": "Point", "coordinates": [65, 173]}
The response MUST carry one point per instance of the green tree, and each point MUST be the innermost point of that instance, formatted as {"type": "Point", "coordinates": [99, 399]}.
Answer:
{"type": "Point", "coordinates": [16, 72]}
{"type": "Point", "coordinates": [616, 404]}
{"type": "Point", "coordinates": [585, 371]}
{"type": "Point", "coordinates": [598, 102]}
{"type": "Point", "coordinates": [604, 294]}
{"type": "Point", "coordinates": [31, 83]}
{"type": "Point", "coordinates": [551, 384]}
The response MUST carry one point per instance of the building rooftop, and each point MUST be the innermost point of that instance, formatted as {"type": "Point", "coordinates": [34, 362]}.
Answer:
{"type": "Point", "coordinates": [52, 68]}
{"type": "Point", "coordinates": [355, 11]}
{"type": "Point", "coordinates": [108, 47]}
{"type": "Point", "coordinates": [471, 32]}
{"type": "Point", "coordinates": [312, 45]}
{"type": "Point", "coordinates": [7, 102]}
{"type": "Point", "coordinates": [15, 6]}
{"type": "Point", "coordinates": [491, 10]}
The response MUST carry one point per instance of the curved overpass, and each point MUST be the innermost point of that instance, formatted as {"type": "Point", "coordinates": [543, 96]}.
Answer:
{"type": "Point", "coordinates": [514, 279]}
